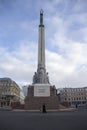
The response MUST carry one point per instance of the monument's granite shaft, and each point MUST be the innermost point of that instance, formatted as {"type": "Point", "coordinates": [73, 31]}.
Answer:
{"type": "Point", "coordinates": [41, 76]}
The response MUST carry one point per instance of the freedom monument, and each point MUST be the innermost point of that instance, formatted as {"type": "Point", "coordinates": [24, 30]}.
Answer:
{"type": "Point", "coordinates": [41, 91]}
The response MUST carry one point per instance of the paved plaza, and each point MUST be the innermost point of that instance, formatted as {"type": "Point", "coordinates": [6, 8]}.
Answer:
{"type": "Point", "coordinates": [76, 120]}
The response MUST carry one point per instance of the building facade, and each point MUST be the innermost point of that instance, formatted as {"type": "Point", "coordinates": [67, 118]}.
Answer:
{"type": "Point", "coordinates": [25, 89]}
{"type": "Point", "coordinates": [9, 92]}
{"type": "Point", "coordinates": [74, 96]}
{"type": "Point", "coordinates": [22, 97]}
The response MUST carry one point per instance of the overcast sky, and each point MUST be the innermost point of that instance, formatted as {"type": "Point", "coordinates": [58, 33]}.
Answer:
{"type": "Point", "coordinates": [65, 39]}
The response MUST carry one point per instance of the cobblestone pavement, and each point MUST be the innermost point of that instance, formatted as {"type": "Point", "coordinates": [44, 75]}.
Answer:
{"type": "Point", "coordinates": [10, 120]}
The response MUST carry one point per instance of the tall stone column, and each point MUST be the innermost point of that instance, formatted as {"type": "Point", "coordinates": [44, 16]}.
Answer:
{"type": "Point", "coordinates": [41, 43]}
{"type": "Point", "coordinates": [41, 76]}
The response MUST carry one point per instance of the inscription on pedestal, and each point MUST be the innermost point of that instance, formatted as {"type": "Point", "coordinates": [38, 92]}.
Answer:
{"type": "Point", "coordinates": [41, 90]}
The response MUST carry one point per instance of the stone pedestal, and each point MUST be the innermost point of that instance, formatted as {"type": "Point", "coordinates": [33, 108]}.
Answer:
{"type": "Point", "coordinates": [35, 102]}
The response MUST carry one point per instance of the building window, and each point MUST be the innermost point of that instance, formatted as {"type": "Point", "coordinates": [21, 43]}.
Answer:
{"type": "Point", "coordinates": [85, 98]}
{"type": "Point", "coordinates": [79, 98]}
{"type": "Point", "coordinates": [69, 99]}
